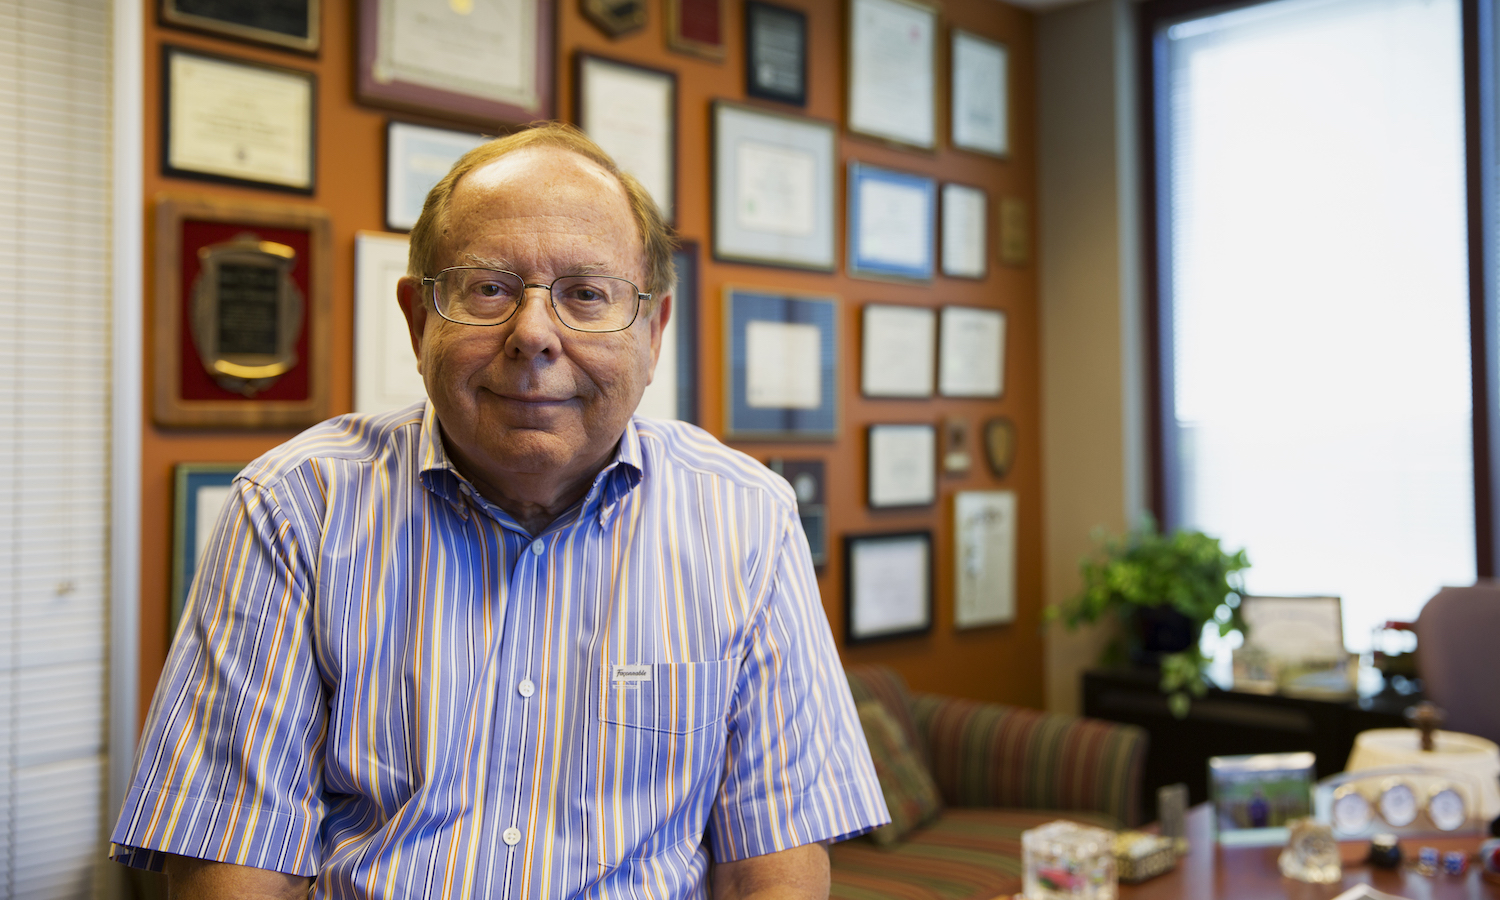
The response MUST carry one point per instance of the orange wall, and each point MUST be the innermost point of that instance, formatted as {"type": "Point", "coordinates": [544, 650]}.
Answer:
{"type": "Point", "coordinates": [997, 663]}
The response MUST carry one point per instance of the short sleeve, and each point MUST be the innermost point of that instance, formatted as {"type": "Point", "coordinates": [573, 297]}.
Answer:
{"type": "Point", "coordinates": [228, 768]}
{"type": "Point", "coordinates": [797, 769]}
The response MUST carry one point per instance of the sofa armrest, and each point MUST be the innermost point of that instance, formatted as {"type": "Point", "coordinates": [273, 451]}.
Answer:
{"type": "Point", "coordinates": [988, 754]}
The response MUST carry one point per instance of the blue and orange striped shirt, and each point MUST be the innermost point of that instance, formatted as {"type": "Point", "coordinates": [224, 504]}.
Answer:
{"type": "Point", "coordinates": [383, 681]}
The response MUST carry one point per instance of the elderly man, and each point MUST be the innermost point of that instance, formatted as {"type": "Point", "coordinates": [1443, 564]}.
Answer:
{"type": "Point", "coordinates": [511, 642]}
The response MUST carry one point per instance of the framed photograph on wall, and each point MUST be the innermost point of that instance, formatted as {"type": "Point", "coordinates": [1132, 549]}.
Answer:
{"type": "Point", "coordinates": [773, 197]}
{"type": "Point", "coordinates": [237, 122]}
{"type": "Point", "coordinates": [241, 333]}
{"type": "Point", "coordinates": [898, 351]}
{"type": "Point", "coordinates": [887, 585]}
{"type": "Point", "coordinates": [483, 62]}
{"type": "Point", "coordinates": [807, 481]}
{"type": "Point", "coordinates": [673, 391]}
{"type": "Point", "coordinates": [385, 368]}
{"type": "Point", "coordinates": [775, 53]}
{"type": "Point", "coordinates": [971, 361]}
{"type": "Point", "coordinates": [416, 158]}
{"type": "Point", "coordinates": [631, 111]}
{"type": "Point", "coordinates": [965, 231]}
{"type": "Point", "coordinates": [781, 358]}
{"type": "Point", "coordinates": [892, 223]}
{"type": "Point", "coordinates": [980, 94]}
{"type": "Point", "coordinates": [289, 24]}
{"type": "Point", "coordinates": [902, 466]}
{"type": "Point", "coordinates": [984, 558]}
{"type": "Point", "coordinates": [696, 27]}
{"type": "Point", "coordinates": [893, 71]}
{"type": "Point", "coordinates": [200, 491]}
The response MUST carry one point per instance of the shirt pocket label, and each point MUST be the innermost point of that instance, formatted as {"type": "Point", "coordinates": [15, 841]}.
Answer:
{"type": "Point", "coordinates": [676, 698]}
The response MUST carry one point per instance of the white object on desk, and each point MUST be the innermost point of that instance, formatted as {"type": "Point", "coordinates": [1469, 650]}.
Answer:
{"type": "Point", "coordinates": [1474, 756]}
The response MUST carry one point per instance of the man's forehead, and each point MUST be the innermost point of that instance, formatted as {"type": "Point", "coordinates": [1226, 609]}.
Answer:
{"type": "Point", "coordinates": [542, 165]}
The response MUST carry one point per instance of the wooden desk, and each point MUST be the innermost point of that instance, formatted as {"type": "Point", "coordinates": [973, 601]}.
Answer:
{"type": "Point", "coordinates": [1211, 872]}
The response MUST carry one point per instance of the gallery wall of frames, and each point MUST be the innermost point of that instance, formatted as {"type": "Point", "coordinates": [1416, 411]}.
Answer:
{"type": "Point", "coordinates": [854, 185]}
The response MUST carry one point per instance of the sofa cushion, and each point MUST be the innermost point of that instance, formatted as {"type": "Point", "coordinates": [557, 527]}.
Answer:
{"type": "Point", "coordinates": [883, 684]}
{"type": "Point", "coordinates": [910, 793]}
{"type": "Point", "coordinates": [963, 854]}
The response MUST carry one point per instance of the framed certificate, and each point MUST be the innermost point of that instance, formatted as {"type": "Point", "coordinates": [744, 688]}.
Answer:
{"type": "Point", "coordinates": [893, 71]}
{"type": "Point", "coordinates": [291, 24]}
{"type": "Point", "coordinates": [416, 158]}
{"type": "Point", "coordinates": [673, 391]}
{"type": "Point", "coordinates": [631, 111]}
{"type": "Point", "coordinates": [773, 188]}
{"type": "Point", "coordinates": [807, 481]}
{"type": "Point", "coordinates": [897, 351]}
{"type": "Point", "coordinates": [483, 61]}
{"type": "Point", "coordinates": [241, 335]}
{"type": "Point", "coordinates": [971, 362]}
{"type": "Point", "coordinates": [200, 491]}
{"type": "Point", "coordinates": [385, 369]}
{"type": "Point", "coordinates": [696, 27]}
{"type": "Point", "coordinates": [892, 219]}
{"type": "Point", "coordinates": [980, 89]}
{"type": "Point", "coordinates": [965, 231]}
{"type": "Point", "coordinates": [887, 585]}
{"type": "Point", "coordinates": [775, 53]}
{"type": "Point", "coordinates": [984, 558]}
{"type": "Point", "coordinates": [902, 466]}
{"type": "Point", "coordinates": [781, 355]}
{"type": "Point", "coordinates": [237, 122]}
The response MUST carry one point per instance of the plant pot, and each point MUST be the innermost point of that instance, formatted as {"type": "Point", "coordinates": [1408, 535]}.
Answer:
{"type": "Point", "coordinates": [1157, 631]}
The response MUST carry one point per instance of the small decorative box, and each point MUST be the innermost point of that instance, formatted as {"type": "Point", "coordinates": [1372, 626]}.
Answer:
{"type": "Point", "coordinates": [1139, 856]}
{"type": "Point", "coordinates": [1067, 861]}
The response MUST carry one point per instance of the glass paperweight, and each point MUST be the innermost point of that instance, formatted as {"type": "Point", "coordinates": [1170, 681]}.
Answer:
{"type": "Point", "coordinates": [1311, 854]}
{"type": "Point", "coordinates": [1068, 861]}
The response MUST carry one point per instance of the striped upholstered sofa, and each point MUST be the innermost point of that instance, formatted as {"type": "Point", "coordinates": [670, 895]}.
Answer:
{"type": "Point", "coordinates": [1000, 770]}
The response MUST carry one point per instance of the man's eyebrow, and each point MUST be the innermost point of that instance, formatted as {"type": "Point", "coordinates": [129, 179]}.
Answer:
{"type": "Point", "coordinates": [493, 262]}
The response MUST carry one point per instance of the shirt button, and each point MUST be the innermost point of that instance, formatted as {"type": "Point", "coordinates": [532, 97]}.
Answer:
{"type": "Point", "coordinates": [526, 688]}
{"type": "Point", "coordinates": [512, 836]}
{"type": "Point", "coordinates": [537, 546]}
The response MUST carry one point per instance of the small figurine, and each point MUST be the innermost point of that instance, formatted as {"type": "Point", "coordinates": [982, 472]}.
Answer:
{"type": "Point", "coordinates": [1385, 851]}
{"type": "Point", "coordinates": [1455, 863]}
{"type": "Point", "coordinates": [1427, 861]}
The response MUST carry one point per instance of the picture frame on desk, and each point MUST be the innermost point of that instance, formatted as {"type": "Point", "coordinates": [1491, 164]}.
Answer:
{"type": "Point", "coordinates": [887, 585]}
{"type": "Point", "coordinates": [286, 24]}
{"type": "Point", "coordinates": [199, 493]}
{"type": "Point", "coordinates": [781, 356]}
{"type": "Point", "coordinates": [631, 111]}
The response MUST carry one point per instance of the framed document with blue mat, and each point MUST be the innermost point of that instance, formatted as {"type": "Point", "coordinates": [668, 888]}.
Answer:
{"type": "Point", "coordinates": [781, 351]}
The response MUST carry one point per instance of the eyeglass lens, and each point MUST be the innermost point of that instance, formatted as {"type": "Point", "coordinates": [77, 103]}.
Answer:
{"type": "Point", "coordinates": [489, 296]}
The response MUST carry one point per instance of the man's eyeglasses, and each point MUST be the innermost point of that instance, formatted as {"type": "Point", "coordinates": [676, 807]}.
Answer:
{"type": "Point", "coordinates": [472, 295]}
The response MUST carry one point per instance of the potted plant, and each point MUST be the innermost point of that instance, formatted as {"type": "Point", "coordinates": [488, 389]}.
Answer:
{"type": "Point", "coordinates": [1164, 588]}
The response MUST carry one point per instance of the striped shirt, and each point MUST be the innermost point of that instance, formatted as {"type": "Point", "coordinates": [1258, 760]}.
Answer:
{"type": "Point", "coordinates": [383, 681]}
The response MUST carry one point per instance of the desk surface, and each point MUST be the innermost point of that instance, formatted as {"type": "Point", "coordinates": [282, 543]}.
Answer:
{"type": "Point", "coordinates": [1211, 872]}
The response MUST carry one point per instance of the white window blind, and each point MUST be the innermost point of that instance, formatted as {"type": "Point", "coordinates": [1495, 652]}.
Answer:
{"type": "Point", "coordinates": [54, 441]}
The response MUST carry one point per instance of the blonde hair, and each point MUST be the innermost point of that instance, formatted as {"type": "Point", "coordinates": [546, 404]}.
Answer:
{"type": "Point", "coordinates": [657, 241]}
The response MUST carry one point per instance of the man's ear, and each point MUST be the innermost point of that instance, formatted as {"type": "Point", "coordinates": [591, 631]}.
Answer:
{"type": "Point", "coordinates": [658, 324]}
{"type": "Point", "coordinates": [414, 308]}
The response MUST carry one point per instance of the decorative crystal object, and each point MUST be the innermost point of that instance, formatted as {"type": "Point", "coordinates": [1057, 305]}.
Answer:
{"type": "Point", "coordinates": [1311, 854]}
{"type": "Point", "coordinates": [1067, 861]}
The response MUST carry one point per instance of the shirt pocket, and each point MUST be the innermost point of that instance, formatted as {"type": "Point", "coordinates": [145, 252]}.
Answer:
{"type": "Point", "coordinates": [675, 698]}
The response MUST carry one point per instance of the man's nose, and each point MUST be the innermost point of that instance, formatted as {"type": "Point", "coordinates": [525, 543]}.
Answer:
{"type": "Point", "coordinates": [533, 327]}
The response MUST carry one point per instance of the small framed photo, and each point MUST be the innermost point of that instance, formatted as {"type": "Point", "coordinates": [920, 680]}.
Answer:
{"type": "Point", "coordinates": [774, 188]}
{"type": "Point", "coordinates": [289, 24]}
{"type": "Point", "coordinates": [385, 369]}
{"type": "Point", "coordinates": [673, 391]}
{"type": "Point", "coordinates": [980, 94]}
{"type": "Point", "coordinates": [782, 357]}
{"type": "Point", "coordinates": [242, 333]}
{"type": "Point", "coordinates": [477, 62]}
{"type": "Point", "coordinates": [902, 466]}
{"type": "Point", "coordinates": [892, 223]}
{"type": "Point", "coordinates": [984, 558]}
{"type": "Point", "coordinates": [806, 479]}
{"type": "Point", "coordinates": [1256, 797]}
{"type": "Point", "coordinates": [898, 351]}
{"type": "Point", "coordinates": [416, 158]}
{"type": "Point", "coordinates": [887, 585]}
{"type": "Point", "coordinates": [893, 71]}
{"type": "Point", "coordinates": [971, 362]}
{"type": "Point", "coordinates": [1294, 628]}
{"type": "Point", "coordinates": [775, 53]}
{"type": "Point", "coordinates": [237, 122]}
{"type": "Point", "coordinates": [965, 231]}
{"type": "Point", "coordinates": [696, 27]}
{"type": "Point", "coordinates": [199, 493]}
{"type": "Point", "coordinates": [631, 111]}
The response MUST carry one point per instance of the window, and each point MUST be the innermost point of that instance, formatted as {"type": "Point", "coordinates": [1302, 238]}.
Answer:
{"type": "Point", "coordinates": [1315, 400]}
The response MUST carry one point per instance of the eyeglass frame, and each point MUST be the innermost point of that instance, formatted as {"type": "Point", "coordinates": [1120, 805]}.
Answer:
{"type": "Point", "coordinates": [432, 280]}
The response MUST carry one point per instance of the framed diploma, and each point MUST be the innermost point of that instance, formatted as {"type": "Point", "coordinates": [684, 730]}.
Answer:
{"type": "Point", "coordinates": [980, 90]}
{"type": "Point", "coordinates": [807, 481]}
{"type": "Point", "coordinates": [965, 217]}
{"type": "Point", "coordinates": [631, 111]}
{"type": "Point", "coordinates": [984, 558]}
{"type": "Point", "coordinates": [416, 158]}
{"type": "Point", "coordinates": [673, 391]}
{"type": "Point", "coordinates": [887, 585]}
{"type": "Point", "coordinates": [696, 27]}
{"type": "Point", "coordinates": [385, 369]}
{"type": "Point", "coordinates": [971, 362]}
{"type": "Point", "coordinates": [775, 53]}
{"type": "Point", "coordinates": [200, 491]}
{"type": "Point", "coordinates": [773, 188]}
{"type": "Point", "coordinates": [483, 61]}
{"type": "Point", "coordinates": [893, 71]}
{"type": "Point", "coordinates": [892, 224]}
{"type": "Point", "coordinates": [241, 332]}
{"type": "Point", "coordinates": [237, 122]}
{"type": "Point", "coordinates": [291, 24]}
{"type": "Point", "coordinates": [898, 349]}
{"type": "Point", "coordinates": [781, 351]}
{"type": "Point", "coordinates": [902, 466]}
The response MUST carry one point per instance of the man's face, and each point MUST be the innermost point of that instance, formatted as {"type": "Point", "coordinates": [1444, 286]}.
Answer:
{"type": "Point", "coordinates": [530, 407]}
